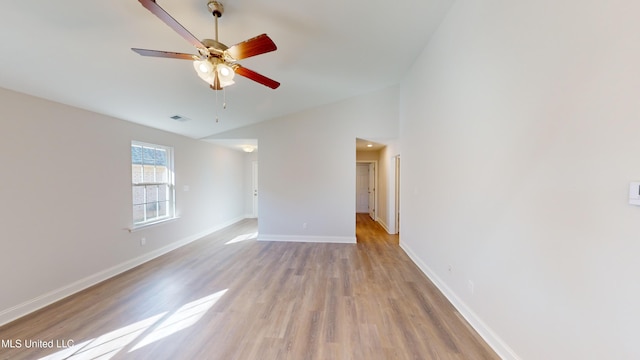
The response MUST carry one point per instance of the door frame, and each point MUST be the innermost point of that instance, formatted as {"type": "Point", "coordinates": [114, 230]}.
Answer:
{"type": "Point", "coordinates": [375, 184]}
{"type": "Point", "coordinates": [254, 188]}
{"type": "Point", "coordinates": [397, 195]}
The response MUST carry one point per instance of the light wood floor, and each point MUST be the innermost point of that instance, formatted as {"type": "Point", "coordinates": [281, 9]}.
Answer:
{"type": "Point", "coordinates": [257, 300]}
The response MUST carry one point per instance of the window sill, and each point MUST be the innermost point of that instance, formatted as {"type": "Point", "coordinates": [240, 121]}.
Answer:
{"type": "Point", "coordinates": [151, 224]}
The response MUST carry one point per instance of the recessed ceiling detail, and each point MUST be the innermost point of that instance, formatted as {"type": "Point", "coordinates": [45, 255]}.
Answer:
{"type": "Point", "coordinates": [367, 145]}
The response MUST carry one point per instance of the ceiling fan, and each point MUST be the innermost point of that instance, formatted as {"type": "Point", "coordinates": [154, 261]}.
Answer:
{"type": "Point", "coordinates": [215, 63]}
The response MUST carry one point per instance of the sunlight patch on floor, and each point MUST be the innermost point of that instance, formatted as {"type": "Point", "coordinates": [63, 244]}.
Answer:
{"type": "Point", "coordinates": [108, 345]}
{"type": "Point", "coordinates": [186, 316]}
{"type": "Point", "coordinates": [243, 237]}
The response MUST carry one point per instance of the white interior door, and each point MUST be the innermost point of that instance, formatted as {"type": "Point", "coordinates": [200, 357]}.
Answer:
{"type": "Point", "coordinates": [254, 187]}
{"type": "Point", "coordinates": [372, 190]}
{"type": "Point", "coordinates": [397, 227]}
{"type": "Point", "coordinates": [362, 188]}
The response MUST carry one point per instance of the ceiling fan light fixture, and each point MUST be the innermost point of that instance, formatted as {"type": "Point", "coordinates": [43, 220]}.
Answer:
{"type": "Point", "coordinates": [226, 83]}
{"type": "Point", "coordinates": [204, 69]}
{"type": "Point", "coordinates": [225, 74]}
{"type": "Point", "coordinates": [204, 66]}
{"type": "Point", "coordinates": [225, 71]}
{"type": "Point", "coordinates": [207, 69]}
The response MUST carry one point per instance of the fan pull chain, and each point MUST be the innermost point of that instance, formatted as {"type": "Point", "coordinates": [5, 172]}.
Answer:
{"type": "Point", "coordinates": [217, 107]}
{"type": "Point", "coordinates": [224, 97]}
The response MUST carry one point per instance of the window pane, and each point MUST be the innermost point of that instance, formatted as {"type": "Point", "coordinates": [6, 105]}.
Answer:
{"type": "Point", "coordinates": [163, 192]}
{"type": "Point", "coordinates": [161, 157]}
{"type": "Point", "coordinates": [149, 174]}
{"type": "Point", "coordinates": [152, 193]}
{"type": "Point", "coordinates": [149, 156]}
{"type": "Point", "coordinates": [162, 175]}
{"type": "Point", "coordinates": [136, 154]}
{"type": "Point", "coordinates": [162, 209]}
{"type": "Point", "coordinates": [152, 211]}
{"type": "Point", "coordinates": [138, 195]}
{"type": "Point", "coordinates": [138, 213]}
{"type": "Point", "coordinates": [136, 174]}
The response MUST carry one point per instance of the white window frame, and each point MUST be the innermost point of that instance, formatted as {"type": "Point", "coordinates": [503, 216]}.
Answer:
{"type": "Point", "coordinates": [147, 219]}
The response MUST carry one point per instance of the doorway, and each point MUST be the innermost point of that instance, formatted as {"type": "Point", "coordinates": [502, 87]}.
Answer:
{"type": "Point", "coordinates": [254, 188]}
{"type": "Point", "coordinates": [366, 184]}
{"type": "Point", "coordinates": [397, 192]}
{"type": "Point", "coordinates": [362, 188]}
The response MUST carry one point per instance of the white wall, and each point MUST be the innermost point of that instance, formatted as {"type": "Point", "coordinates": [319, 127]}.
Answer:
{"type": "Point", "coordinates": [66, 196]}
{"type": "Point", "coordinates": [307, 166]}
{"type": "Point", "coordinates": [519, 128]}
{"type": "Point", "coordinates": [368, 155]}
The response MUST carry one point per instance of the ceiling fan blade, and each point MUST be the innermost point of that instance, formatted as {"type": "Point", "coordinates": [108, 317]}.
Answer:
{"type": "Point", "coordinates": [255, 46]}
{"type": "Point", "coordinates": [165, 54]}
{"type": "Point", "coordinates": [173, 23]}
{"type": "Point", "coordinates": [243, 71]}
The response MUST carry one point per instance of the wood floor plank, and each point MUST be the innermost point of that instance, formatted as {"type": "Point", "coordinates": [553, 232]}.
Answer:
{"type": "Point", "coordinates": [218, 298]}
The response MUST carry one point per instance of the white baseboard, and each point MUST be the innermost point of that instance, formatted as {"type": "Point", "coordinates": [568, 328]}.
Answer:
{"type": "Point", "coordinates": [384, 226]}
{"type": "Point", "coordinates": [495, 342]}
{"type": "Point", "coordinates": [43, 300]}
{"type": "Point", "coordinates": [311, 239]}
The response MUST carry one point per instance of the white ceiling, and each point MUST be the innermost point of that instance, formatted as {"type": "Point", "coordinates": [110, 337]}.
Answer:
{"type": "Point", "coordinates": [77, 52]}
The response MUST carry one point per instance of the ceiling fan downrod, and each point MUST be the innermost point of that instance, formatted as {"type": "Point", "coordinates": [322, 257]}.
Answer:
{"type": "Point", "coordinates": [216, 10]}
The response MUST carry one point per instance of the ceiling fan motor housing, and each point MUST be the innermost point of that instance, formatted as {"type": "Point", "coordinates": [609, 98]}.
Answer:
{"type": "Point", "coordinates": [216, 8]}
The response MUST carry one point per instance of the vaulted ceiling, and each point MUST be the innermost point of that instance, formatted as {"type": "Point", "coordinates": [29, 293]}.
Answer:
{"type": "Point", "coordinates": [78, 52]}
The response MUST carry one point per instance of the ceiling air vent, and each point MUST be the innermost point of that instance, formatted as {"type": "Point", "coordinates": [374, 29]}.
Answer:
{"type": "Point", "coordinates": [179, 118]}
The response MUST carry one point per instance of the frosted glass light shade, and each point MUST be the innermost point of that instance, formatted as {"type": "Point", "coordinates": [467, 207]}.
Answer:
{"type": "Point", "coordinates": [206, 71]}
{"type": "Point", "coordinates": [225, 74]}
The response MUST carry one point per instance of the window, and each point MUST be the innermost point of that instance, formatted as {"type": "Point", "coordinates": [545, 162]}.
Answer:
{"type": "Point", "coordinates": [151, 183]}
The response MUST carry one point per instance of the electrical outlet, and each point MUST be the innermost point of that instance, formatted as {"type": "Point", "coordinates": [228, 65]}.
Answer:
{"type": "Point", "coordinates": [450, 268]}
{"type": "Point", "coordinates": [304, 226]}
{"type": "Point", "coordinates": [143, 241]}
